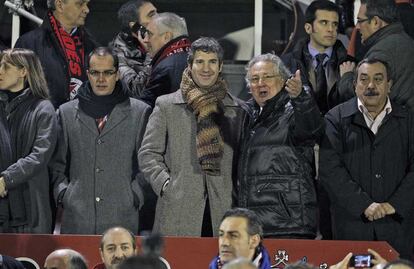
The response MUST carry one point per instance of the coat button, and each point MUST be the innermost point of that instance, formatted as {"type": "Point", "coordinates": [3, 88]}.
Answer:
{"type": "Point", "coordinates": [97, 199]}
{"type": "Point", "coordinates": [99, 142]}
{"type": "Point", "coordinates": [97, 170]}
{"type": "Point", "coordinates": [378, 176]}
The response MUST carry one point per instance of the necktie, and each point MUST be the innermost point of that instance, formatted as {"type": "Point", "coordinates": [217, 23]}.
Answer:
{"type": "Point", "coordinates": [101, 123]}
{"type": "Point", "coordinates": [321, 88]}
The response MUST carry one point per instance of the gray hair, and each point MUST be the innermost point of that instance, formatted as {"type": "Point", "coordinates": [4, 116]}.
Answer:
{"type": "Point", "coordinates": [239, 263]}
{"type": "Point", "coordinates": [254, 226]}
{"type": "Point", "coordinates": [278, 66]}
{"type": "Point", "coordinates": [170, 22]}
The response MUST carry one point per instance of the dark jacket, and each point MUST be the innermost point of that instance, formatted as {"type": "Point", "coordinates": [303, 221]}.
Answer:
{"type": "Point", "coordinates": [43, 42]}
{"type": "Point", "coordinates": [301, 59]}
{"type": "Point", "coordinates": [396, 48]}
{"type": "Point", "coordinates": [32, 144]}
{"type": "Point", "coordinates": [134, 63]}
{"type": "Point", "coordinates": [166, 74]}
{"type": "Point", "coordinates": [277, 164]}
{"type": "Point", "coordinates": [358, 168]}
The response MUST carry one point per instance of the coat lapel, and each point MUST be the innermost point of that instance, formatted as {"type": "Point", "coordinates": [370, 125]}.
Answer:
{"type": "Point", "coordinates": [118, 114]}
{"type": "Point", "coordinates": [89, 123]}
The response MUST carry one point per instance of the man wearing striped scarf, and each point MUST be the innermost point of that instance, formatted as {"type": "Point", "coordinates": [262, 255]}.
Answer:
{"type": "Point", "coordinates": [189, 151]}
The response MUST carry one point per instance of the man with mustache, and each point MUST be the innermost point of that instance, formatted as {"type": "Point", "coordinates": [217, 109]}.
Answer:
{"type": "Point", "coordinates": [117, 244]}
{"type": "Point", "coordinates": [367, 163]}
{"type": "Point", "coordinates": [240, 236]}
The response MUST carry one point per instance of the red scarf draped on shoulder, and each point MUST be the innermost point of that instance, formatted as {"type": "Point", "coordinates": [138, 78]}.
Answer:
{"type": "Point", "coordinates": [182, 44]}
{"type": "Point", "coordinates": [74, 52]}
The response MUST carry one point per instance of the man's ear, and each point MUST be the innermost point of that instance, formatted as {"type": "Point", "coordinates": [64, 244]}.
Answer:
{"type": "Point", "coordinates": [168, 36]}
{"type": "Point", "coordinates": [59, 5]}
{"type": "Point", "coordinates": [254, 241]}
{"type": "Point", "coordinates": [101, 253]}
{"type": "Point", "coordinates": [130, 24]}
{"type": "Point", "coordinates": [308, 28]}
{"type": "Point", "coordinates": [221, 67]}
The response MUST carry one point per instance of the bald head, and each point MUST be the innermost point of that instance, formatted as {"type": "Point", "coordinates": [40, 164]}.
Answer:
{"type": "Point", "coordinates": [65, 259]}
{"type": "Point", "coordinates": [117, 244]}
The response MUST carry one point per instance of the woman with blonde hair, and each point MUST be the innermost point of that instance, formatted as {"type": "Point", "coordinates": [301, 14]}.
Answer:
{"type": "Point", "coordinates": [32, 127]}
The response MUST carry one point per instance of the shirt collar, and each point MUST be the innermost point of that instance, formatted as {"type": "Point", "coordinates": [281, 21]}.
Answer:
{"type": "Point", "coordinates": [364, 110]}
{"type": "Point", "coordinates": [315, 52]}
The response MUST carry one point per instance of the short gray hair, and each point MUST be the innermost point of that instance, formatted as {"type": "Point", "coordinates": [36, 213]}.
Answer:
{"type": "Point", "coordinates": [278, 65]}
{"type": "Point", "coordinates": [170, 22]}
{"type": "Point", "coordinates": [239, 263]}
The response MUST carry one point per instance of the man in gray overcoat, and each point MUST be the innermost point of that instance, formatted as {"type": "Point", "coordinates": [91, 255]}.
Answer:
{"type": "Point", "coordinates": [95, 168]}
{"type": "Point", "coordinates": [189, 150]}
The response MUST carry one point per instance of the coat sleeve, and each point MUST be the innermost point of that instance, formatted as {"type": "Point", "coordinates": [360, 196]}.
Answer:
{"type": "Point", "coordinates": [333, 173]}
{"type": "Point", "coordinates": [42, 149]}
{"type": "Point", "coordinates": [152, 153]}
{"type": "Point", "coordinates": [308, 121]}
{"type": "Point", "coordinates": [403, 199]}
{"type": "Point", "coordinates": [59, 165]}
{"type": "Point", "coordinates": [158, 84]}
{"type": "Point", "coordinates": [139, 178]}
{"type": "Point", "coordinates": [133, 73]}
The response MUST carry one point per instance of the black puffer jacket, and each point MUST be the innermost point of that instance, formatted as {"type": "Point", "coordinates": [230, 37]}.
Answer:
{"type": "Point", "coordinates": [277, 164]}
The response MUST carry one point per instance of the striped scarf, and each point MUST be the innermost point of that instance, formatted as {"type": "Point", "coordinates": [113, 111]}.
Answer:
{"type": "Point", "coordinates": [207, 107]}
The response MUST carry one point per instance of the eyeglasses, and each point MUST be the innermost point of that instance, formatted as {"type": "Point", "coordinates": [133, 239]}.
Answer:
{"type": "Point", "coordinates": [105, 74]}
{"type": "Point", "coordinates": [359, 21]}
{"type": "Point", "coordinates": [265, 79]}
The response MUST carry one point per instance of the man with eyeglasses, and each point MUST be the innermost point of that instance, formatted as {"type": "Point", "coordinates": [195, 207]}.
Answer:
{"type": "Point", "coordinates": [62, 44]}
{"type": "Point", "coordinates": [129, 45]}
{"type": "Point", "coordinates": [276, 167]}
{"type": "Point", "coordinates": [320, 55]}
{"type": "Point", "coordinates": [384, 38]}
{"type": "Point", "coordinates": [367, 163]}
{"type": "Point", "coordinates": [168, 44]}
{"type": "Point", "coordinates": [95, 171]}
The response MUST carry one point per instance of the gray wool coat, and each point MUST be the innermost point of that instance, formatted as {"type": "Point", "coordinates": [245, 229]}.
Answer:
{"type": "Point", "coordinates": [169, 152]}
{"type": "Point", "coordinates": [99, 171]}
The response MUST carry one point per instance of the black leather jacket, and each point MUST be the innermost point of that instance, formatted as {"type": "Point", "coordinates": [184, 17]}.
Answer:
{"type": "Point", "coordinates": [277, 164]}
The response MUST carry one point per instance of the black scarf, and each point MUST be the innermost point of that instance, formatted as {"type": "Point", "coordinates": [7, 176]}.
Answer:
{"type": "Point", "coordinates": [99, 106]}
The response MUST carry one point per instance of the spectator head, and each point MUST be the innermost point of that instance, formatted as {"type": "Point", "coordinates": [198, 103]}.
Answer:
{"type": "Point", "coordinates": [142, 262]}
{"type": "Point", "coordinates": [65, 259]}
{"type": "Point", "coordinates": [372, 84]}
{"type": "Point", "coordinates": [163, 28]}
{"type": "Point", "coordinates": [103, 70]}
{"type": "Point", "coordinates": [205, 61]}
{"type": "Point", "coordinates": [20, 68]}
{"type": "Point", "coordinates": [399, 264]}
{"type": "Point", "coordinates": [70, 13]}
{"type": "Point", "coordinates": [374, 15]}
{"type": "Point", "coordinates": [266, 76]}
{"type": "Point", "coordinates": [117, 244]}
{"type": "Point", "coordinates": [322, 20]}
{"type": "Point", "coordinates": [135, 13]}
{"type": "Point", "coordinates": [240, 234]}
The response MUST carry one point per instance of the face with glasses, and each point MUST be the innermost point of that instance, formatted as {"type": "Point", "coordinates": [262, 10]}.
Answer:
{"type": "Point", "coordinates": [373, 86]}
{"type": "Point", "coordinates": [364, 25]}
{"type": "Point", "coordinates": [102, 74]}
{"type": "Point", "coordinates": [154, 39]}
{"type": "Point", "coordinates": [264, 82]}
